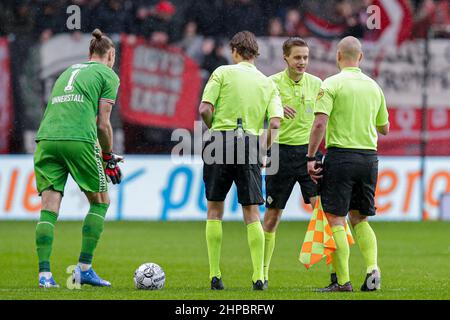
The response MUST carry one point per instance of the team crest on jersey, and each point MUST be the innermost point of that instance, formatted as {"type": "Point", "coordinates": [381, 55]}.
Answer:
{"type": "Point", "coordinates": [320, 95]}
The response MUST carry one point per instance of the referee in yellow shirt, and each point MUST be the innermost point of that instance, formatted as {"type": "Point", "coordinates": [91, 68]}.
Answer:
{"type": "Point", "coordinates": [237, 99]}
{"type": "Point", "coordinates": [351, 108]}
{"type": "Point", "coordinates": [298, 91]}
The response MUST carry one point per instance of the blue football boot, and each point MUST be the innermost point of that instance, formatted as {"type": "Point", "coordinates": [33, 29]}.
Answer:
{"type": "Point", "coordinates": [47, 283]}
{"type": "Point", "coordinates": [89, 277]}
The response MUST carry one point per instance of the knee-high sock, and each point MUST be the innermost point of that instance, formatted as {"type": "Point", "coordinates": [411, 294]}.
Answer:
{"type": "Point", "coordinates": [269, 246]}
{"type": "Point", "coordinates": [367, 241]}
{"type": "Point", "coordinates": [92, 230]}
{"type": "Point", "coordinates": [44, 238]}
{"type": "Point", "coordinates": [255, 236]}
{"type": "Point", "coordinates": [341, 255]}
{"type": "Point", "coordinates": [214, 244]}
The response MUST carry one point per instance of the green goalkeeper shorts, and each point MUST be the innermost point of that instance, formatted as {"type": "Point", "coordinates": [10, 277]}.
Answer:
{"type": "Point", "coordinates": [54, 160]}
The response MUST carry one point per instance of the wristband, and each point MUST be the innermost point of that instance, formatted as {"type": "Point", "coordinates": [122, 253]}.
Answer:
{"type": "Point", "coordinates": [310, 159]}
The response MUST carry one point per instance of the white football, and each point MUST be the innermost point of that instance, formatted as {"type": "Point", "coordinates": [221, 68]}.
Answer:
{"type": "Point", "coordinates": [149, 276]}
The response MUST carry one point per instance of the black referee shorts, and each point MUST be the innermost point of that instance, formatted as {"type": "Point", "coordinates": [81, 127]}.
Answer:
{"type": "Point", "coordinates": [219, 177]}
{"type": "Point", "coordinates": [292, 169]}
{"type": "Point", "coordinates": [349, 181]}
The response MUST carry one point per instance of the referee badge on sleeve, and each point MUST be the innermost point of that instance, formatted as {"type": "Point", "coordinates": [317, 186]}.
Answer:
{"type": "Point", "coordinates": [320, 95]}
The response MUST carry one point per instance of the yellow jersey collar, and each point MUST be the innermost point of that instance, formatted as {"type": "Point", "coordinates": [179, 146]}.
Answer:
{"type": "Point", "coordinates": [352, 69]}
{"type": "Point", "coordinates": [292, 82]}
{"type": "Point", "coordinates": [247, 64]}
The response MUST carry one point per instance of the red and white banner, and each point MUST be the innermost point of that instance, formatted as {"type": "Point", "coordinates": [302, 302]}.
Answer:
{"type": "Point", "coordinates": [396, 22]}
{"type": "Point", "coordinates": [322, 27]}
{"type": "Point", "coordinates": [405, 135]}
{"type": "Point", "coordinates": [159, 86]}
{"type": "Point", "coordinates": [6, 112]}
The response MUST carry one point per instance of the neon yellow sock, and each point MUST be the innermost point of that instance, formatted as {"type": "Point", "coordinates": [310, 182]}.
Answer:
{"type": "Point", "coordinates": [214, 244]}
{"type": "Point", "coordinates": [255, 236]}
{"type": "Point", "coordinates": [269, 246]}
{"type": "Point", "coordinates": [367, 242]}
{"type": "Point", "coordinates": [341, 255]}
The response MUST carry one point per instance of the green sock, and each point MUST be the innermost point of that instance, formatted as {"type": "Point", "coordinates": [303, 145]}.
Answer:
{"type": "Point", "coordinates": [341, 255]}
{"type": "Point", "coordinates": [255, 236]}
{"type": "Point", "coordinates": [44, 238]}
{"type": "Point", "coordinates": [214, 244]}
{"type": "Point", "coordinates": [268, 251]}
{"type": "Point", "coordinates": [367, 241]}
{"type": "Point", "coordinates": [92, 229]}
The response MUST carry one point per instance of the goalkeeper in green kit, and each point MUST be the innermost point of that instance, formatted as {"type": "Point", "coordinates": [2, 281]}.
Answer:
{"type": "Point", "coordinates": [77, 115]}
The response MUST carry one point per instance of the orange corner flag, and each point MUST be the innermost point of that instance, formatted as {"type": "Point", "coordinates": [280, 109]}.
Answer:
{"type": "Point", "coordinates": [319, 241]}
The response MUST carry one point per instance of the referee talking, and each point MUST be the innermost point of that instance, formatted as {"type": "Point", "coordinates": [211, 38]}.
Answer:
{"type": "Point", "coordinates": [237, 99]}
{"type": "Point", "coordinates": [351, 108]}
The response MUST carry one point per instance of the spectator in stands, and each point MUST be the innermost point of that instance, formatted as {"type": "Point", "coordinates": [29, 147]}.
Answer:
{"type": "Point", "coordinates": [113, 16]}
{"type": "Point", "coordinates": [293, 24]}
{"type": "Point", "coordinates": [18, 20]}
{"type": "Point", "coordinates": [424, 17]}
{"type": "Point", "coordinates": [242, 15]}
{"type": "Point", "coordinates": [215, 58]}
{"type": "Point", "coordinates": [192, 42]}
{"type": "Point", "coordinates": [346, 15]}
{"type": "Point", "coordinates": [208, 15]}
{"type": "Point", "coordinates": [441, 21]}
{"type": "Point", "coordinates": [275, 27]}
{"type": "Point", "coordinates": [51, 19]}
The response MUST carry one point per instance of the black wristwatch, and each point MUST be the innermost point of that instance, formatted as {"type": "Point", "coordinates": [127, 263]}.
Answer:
{"type": "Point", "coordinates": [309, 159]}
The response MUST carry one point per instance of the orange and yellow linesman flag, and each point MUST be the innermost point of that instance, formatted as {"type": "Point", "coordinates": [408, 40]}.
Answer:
{"type": "Point", "coordinates": [319, 242]}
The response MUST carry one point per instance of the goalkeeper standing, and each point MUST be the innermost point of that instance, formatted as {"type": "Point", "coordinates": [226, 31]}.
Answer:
{"type": "Point", "coordinates": [298, 90]}
{"type": "Point", "coordinates": [237, 98]}
{"type": "Point", "coordinates": [77, 114]}
{"type": "Point", "coordinates": [351, 108]}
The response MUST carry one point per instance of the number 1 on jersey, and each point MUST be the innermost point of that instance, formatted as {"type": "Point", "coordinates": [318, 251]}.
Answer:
{"type": "Point", "coordinates": [69, 86]}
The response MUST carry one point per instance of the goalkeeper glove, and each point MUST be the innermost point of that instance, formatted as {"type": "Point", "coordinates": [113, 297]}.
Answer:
{"type": "Point", "coordinates": [112, 169]}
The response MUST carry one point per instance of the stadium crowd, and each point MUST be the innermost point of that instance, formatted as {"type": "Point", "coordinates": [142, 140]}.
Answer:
{"type": "Point", "coordinates": [199, 27]}
{"type": "Point", "coordinates": [171, 21]}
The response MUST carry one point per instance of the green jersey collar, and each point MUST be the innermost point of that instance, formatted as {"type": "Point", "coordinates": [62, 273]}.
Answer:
{"type": "Point", "coordinates": [292, 82]}
{"type": "Point", "coordinates": [352, 69]}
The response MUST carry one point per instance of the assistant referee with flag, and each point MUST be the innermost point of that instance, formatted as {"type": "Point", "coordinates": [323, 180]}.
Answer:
{"type": "Point", "coordinates": [351, 108]}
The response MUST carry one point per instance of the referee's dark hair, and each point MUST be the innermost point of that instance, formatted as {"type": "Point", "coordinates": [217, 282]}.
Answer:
{"type": "Point", "coordinates": [246, 45]}
{"type": "Point", "coordinates": [293, 42]}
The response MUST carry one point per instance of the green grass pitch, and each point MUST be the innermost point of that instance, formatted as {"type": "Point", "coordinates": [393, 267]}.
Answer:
{"type": "Point", "coordinates": [414, 260]}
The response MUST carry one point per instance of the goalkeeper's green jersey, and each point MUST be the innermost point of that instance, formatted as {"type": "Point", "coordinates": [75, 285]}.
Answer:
{"type": "Point", "coordinates": [72, 108]}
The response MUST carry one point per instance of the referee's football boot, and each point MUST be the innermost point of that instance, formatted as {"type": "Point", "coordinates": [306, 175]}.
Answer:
{"type": "Point", "coordinates": [333, 278]}
{"type": "Point", "coordinates": [372, 281]}
{"type": "Point", "coordinates": [88, 277]}
{"type": "Point", "coordinates": [47, 283]}
{"type": "Point", "coordinates": [258, 285]}
{"type": "Point", "coordinates": [266, 284]}
{"type": "Point", "coordinates": [336, 287]}
{"type": "Point", "coordinates": [217, 284]}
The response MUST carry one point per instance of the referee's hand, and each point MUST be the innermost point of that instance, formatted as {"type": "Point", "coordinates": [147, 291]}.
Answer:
{"type": "Point", "coordinates": [289, 112]}
{"type": "Point", "coordinates": [315, 171]}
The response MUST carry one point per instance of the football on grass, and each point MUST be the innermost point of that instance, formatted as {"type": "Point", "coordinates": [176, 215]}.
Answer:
{"type": "Point", "coordinates": [149, 276]}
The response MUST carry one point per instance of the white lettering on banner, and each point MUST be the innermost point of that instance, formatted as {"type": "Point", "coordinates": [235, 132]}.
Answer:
{"type": "Point", "coordinates": [155, 60]}
{"type": "Point", "coordinates": [158, 103]}
{"type": "Point", "coordinates": [154, 188]}
{"type": "Point", "coordinates": [155, 81]}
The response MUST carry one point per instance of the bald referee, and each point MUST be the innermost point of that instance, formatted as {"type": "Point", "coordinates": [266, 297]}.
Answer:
{"type": "Point", "coordinates": [351, 108]}
{"type": "Point", "coordinates": [236, 101]}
